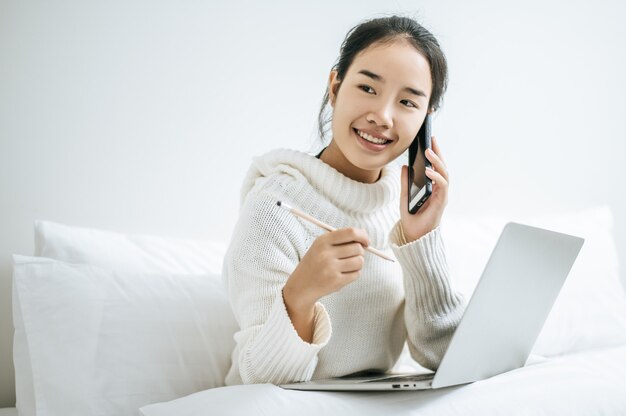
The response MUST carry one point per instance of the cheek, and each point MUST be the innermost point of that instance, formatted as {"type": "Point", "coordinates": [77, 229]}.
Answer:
{"type": "Point", "coordinates": [408, 139]}
{"type": "Point", "coordinates": [349, 107]}
{"type": "Point", "coordinates": [409, 131]}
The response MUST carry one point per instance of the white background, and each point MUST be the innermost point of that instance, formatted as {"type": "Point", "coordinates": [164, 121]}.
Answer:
{"type": "Point", "coordinates": [143, 116]}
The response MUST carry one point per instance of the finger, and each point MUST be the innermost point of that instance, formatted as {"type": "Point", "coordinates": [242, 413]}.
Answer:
{"type": "Point", "coordinates": [347, 250]}
{"type": "Point", "coordinates": [437, 163]}
{"type": "Point", "coordinates": [351, 276]}
{"type": "Point", "coordinates": [436, 148]}
{"type": "Point", "coordinates": [437, 178]}
{"type": "Point", "coordinates": [349, 235]}
{"type": "Point", "coordinates": [352, 264]}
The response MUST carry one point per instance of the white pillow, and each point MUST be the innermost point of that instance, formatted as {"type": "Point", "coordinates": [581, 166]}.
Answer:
{"type": "Point", "coordinates": [127, 252]}
{"type": "Point", "coordinates": [124, 253]}
{"type": "Point", "coordinates": [107, 343]}
{"type": "Point", "coordinates": [590, 310]}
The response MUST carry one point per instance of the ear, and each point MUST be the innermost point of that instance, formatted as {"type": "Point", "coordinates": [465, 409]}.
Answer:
{"type": "Point", "coordinates": [333, 86]}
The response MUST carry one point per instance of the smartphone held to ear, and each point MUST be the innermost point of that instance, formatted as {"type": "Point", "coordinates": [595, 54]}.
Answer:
{"type": "Point", "coordinates": [420, 185]}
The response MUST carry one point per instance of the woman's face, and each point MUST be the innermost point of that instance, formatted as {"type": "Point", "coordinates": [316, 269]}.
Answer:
{"type": "Point", "coordinates": [384, 97]}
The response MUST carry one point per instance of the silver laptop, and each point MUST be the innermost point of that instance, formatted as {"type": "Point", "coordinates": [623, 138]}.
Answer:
{"type": "Point", "coordinates": [510, 304]}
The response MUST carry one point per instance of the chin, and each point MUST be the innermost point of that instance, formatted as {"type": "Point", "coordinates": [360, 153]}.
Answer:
{"type": "Point", "coordinates": [368, 163]}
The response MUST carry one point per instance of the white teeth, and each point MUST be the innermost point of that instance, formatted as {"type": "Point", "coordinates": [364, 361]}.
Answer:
{"type": "Point", "coordinates": [370, 138]}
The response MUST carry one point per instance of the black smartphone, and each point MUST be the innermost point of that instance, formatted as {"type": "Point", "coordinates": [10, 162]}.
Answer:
{"type": "Point", "coordinates": [420, 185]}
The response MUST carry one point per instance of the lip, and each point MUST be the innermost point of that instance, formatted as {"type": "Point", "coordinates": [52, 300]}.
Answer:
{"type": "Point", "coordinates": [368, 145]}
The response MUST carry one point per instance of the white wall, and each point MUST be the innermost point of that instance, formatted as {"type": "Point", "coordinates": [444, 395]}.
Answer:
{"type": "Point", "coordinates": [143, 116]}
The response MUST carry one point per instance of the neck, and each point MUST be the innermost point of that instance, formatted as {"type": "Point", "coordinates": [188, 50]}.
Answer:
{"type": "Point", "coordinates": [334, 157]}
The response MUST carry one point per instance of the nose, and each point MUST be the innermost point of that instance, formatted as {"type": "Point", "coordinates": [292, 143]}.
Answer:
{"type": "Point", "coordinates": [381, 115]}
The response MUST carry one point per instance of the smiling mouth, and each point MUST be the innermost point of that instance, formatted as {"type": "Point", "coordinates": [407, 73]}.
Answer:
{"type": "Point", "coordinates": [370, 138]}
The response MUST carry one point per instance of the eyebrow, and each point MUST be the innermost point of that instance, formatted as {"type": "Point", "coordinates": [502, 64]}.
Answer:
{"type": "Point", "coordinates": [377, 77]}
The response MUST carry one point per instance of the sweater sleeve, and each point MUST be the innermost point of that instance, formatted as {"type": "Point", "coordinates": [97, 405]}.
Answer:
{"type": "Point", "coordinates": [432, 308]}
{"type": "Point", "coordinates": [263, 252]}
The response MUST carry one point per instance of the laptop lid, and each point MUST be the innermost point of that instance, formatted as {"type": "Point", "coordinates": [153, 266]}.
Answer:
{"type": "Point", "coordinates": [510, 304]}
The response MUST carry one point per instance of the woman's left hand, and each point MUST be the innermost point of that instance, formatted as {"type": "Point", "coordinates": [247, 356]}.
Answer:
{"type": "Point", "coordinates": [428, 217]}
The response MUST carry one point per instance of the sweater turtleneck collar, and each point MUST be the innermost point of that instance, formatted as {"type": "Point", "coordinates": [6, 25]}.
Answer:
{"type": "Point", "coordinates": [345, 193]}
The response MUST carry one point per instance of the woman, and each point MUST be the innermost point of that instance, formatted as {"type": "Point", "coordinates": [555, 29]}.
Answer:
{"type": "Point", "coordinates": [314, 304]}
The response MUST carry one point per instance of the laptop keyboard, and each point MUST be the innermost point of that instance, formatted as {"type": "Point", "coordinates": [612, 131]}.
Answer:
{"type": "Point", "coordinates": [406, 378]}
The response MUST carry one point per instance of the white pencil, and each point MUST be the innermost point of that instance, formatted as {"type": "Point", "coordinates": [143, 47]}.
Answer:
{"type": "Point", "coordinates": [327, 227]}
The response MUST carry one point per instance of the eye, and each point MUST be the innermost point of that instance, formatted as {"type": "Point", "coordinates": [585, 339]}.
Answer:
{"type": "Point", "coordinates": [409, 103]}
{"type": "Point", "coordinates": [366, 88]}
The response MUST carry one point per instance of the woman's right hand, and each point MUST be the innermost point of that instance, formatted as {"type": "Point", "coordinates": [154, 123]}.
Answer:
{"type": "Point", "coordinates": [334, 260]}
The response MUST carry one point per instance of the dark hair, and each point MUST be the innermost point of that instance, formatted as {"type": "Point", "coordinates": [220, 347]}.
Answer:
{"type": "Point", "coordinates": [389, 29]}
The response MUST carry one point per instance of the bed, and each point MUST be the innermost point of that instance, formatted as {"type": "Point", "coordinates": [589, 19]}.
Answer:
{"type": "Point", "coordinates": [588, 383]}
{"type": "Point", "coordinates": [119, 324]}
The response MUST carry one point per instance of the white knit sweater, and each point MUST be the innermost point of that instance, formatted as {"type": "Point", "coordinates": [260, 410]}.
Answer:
{"type": "Point", "coordinates": [364, 325]}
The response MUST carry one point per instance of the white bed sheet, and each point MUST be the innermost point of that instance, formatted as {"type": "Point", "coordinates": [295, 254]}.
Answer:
{"type": "Point", "coordinates": [587, 383]}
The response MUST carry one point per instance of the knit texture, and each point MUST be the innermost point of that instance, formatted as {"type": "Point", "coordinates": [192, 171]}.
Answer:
{"type": "Point", "coordinates": [364, 325]}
